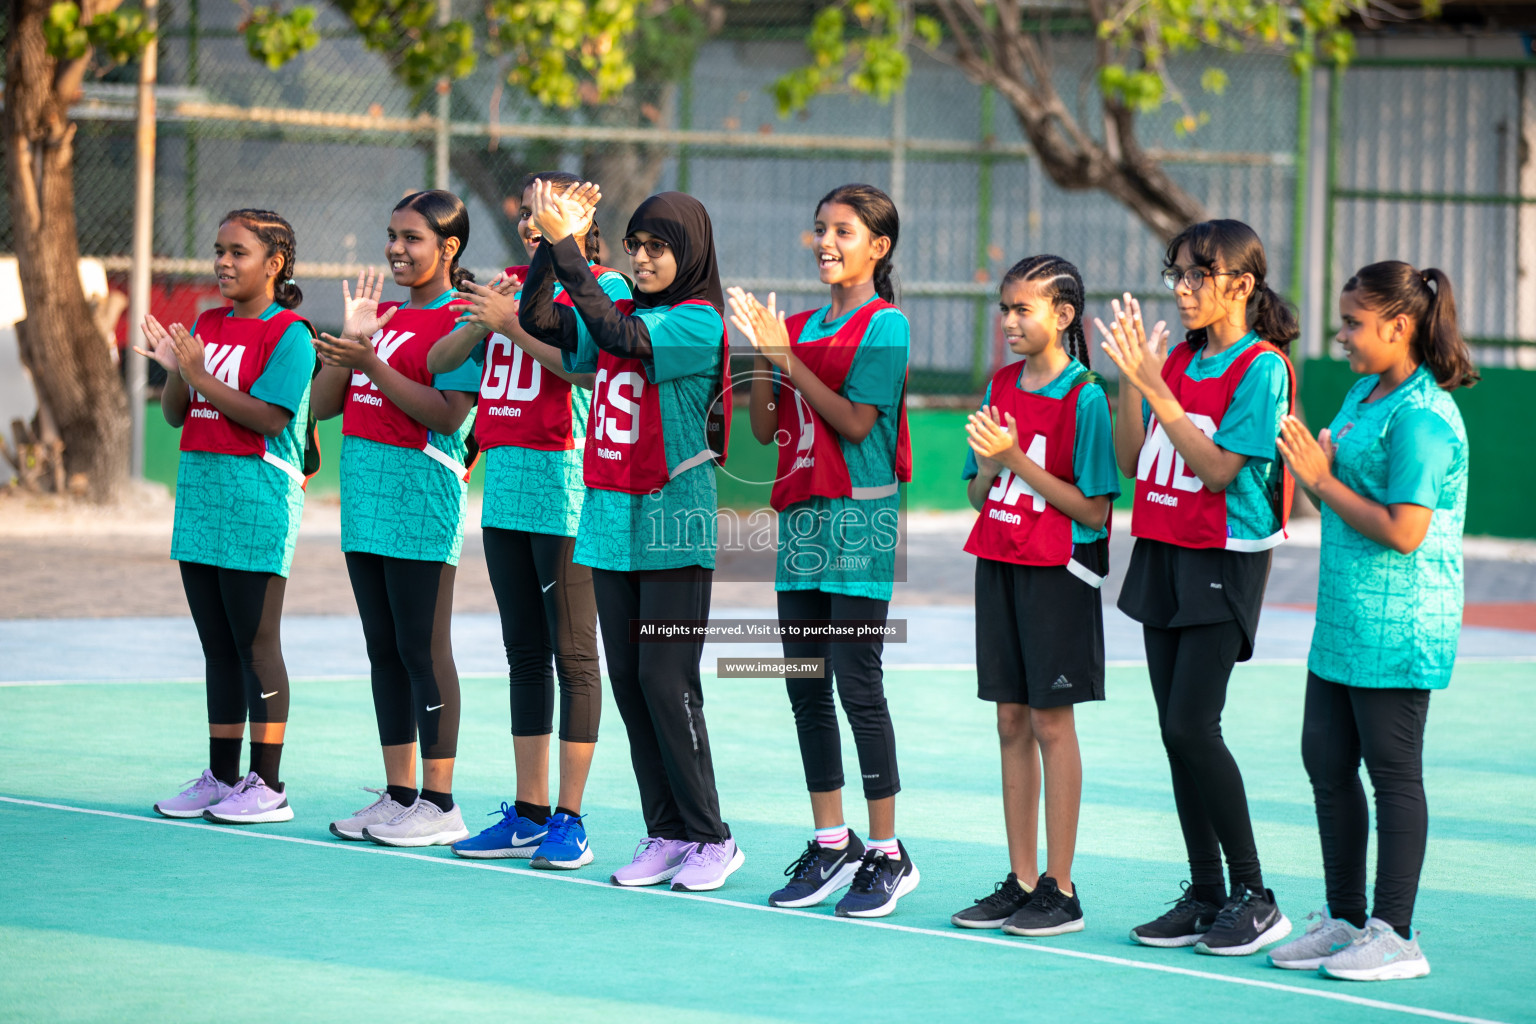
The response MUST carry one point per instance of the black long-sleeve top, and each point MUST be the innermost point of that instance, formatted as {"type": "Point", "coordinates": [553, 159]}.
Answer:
{"type": "Point", "coordinates": [554, 324]}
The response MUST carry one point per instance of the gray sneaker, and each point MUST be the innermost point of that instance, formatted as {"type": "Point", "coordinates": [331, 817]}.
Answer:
{"type": "Point", "coordinates": [376, 813]}
{"type": "Point", "coordinates": [1325, 936]}
{"type": "Point", "coordinates": [1379, 954]}
{"type": "Point", "coordinates": [422, 824]}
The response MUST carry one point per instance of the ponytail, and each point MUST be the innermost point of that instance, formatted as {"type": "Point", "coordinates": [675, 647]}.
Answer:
{"type": "Point", "coordinates": [1394, 288]}
{"type": "Point", "coordinates": [276, 235]}
{"type": "Point", "coordinates": [879, 215]}
{"type": "Point", "coordinates": [1233, 246]}
{"type": "Point", "coordinates": [1062, 284]}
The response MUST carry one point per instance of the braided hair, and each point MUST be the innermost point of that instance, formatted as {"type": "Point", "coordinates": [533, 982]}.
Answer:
{"type": "Point", "coordinates": [276, 236]}
{"type": "Point", "coordinates": [1061, 283]}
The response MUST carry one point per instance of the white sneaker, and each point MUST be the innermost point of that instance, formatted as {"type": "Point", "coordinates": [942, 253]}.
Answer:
{"type": "Point", "coordinates": [376, 813]}
{"type": "Point", "coordinates": [1378, 954]}
{"type": "Point", "coordinates": [200, 794]}
{"type": "Point", "coordinates": [422, 824]}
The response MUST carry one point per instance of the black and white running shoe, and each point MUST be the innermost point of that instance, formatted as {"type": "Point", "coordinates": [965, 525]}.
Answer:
{"type": "Point", "coordinates": [1048, 912]}
{"type": "Point", "coordinates": [1184, 925]}
{"type": "Point", "coordinates": [819, 873]}
{"type": "Point", "coordinates": [878, 884]}
{"type": "Point", "coordinates": [1006, 899]}
{"type": "Point", "coordinates": [1249, 922]}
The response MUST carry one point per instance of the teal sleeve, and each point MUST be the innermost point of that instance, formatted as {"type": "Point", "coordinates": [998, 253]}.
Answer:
{"type": "Point", "coordinates": [614, 286]}
{"type": "Point", "coordinates": [1093, 449]}
{"type": "Point", "coordinates": [466, 377]}
{"type": "Point", "coordinates": [1252, 422]}
{"type": "Point", "coordinates": [477, 354]}
{"type": "Point", "coordinates": [288, 370]}
{"type": "Point", "coordinates": [879, 370]}
{"type": "Point", "coordinates": [971, 469]}
{"type": "Point", "coordinates": [1420, 449]}
{"type": "Point", "coordinates": [685, 341]}
{"type": "Point", "coordinates": [584, 359]}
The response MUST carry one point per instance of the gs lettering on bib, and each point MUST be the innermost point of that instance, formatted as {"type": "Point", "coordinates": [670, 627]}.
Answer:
{"type": "Point", "coordinates": [1016, 524]}
{"type": "Point", "coordinates": [626, 447]}
{"type": "Point", "coordinates": [521, 404]}
{"type": "Point", "coordinates": [814, 463]}
{"type": "Point", "coordinates": [236, 351]}
{"type": "Point", "coordinates": [1171, 504]}
{"type": "Point", "coordinates": [403, 344]}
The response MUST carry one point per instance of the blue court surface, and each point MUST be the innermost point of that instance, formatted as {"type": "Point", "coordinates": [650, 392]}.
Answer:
{"type": "Point", "coordinates": [111, 913]}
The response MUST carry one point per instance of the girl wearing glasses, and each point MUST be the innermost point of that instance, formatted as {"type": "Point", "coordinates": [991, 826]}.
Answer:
{"type": "Point", "coordinates": [1390, 473]}
{"type": "Point", "coordinates": [529, 422]}
{"type": "Point", "coordinates": [402, 510]}
{"type": "Point", "coordinates": [659, 420]}
{"type": "Point", "coordinates": [1196, 430]}
{"type": "Point", "coordinates": [830, 391]}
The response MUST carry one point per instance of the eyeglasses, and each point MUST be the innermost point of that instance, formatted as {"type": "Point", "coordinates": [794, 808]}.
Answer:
{"type": "Point", "coordinates": [653, 247]}
{"type": "Point", "coordinates": [1194, 277]}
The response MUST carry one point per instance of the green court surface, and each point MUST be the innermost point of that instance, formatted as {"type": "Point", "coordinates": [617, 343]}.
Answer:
{"type": "Point", "coordinates": [111, 913]}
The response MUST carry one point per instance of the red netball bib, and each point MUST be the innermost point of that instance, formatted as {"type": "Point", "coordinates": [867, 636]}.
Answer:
{"type": "Point", "coordinates": [1016, 524]}
{"type": "Point", "coordinates": [1171, 504]}
{"type": "Point", "coordinates": [403, 344]}
{"type": "Point", "coordinates": [814, 463]}
{"type": "Point", "coordinates": [626, 448]}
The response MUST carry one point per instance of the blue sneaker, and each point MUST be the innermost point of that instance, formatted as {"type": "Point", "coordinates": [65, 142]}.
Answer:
{"type": "Point", "coordinates": [879, 883]}
{"type": "Point", "coordinates": [512, 836]}
{"type": "Point", "coordinates": [565, 846]}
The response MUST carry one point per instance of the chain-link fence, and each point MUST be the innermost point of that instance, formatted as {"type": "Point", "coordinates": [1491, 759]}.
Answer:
{"type": "Point", "coordinates": [332, 139]}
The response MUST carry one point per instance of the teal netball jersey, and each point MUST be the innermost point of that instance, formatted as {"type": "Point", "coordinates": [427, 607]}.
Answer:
{"type": "Point", "coordinates": [1386, 619]}
{"type": "Point", "coordinates": [840, 545]}
{"type": "Point", "coordinates": [1093, 445]}
{"type": "Point", "coordinates": [538, 491]}
{"type": "Point", "coordinates": [676, 527]}
{"type": "Point", "coordinates": [240, 512]}
{"type": "Point", "coordinates": [398, 502]}
{"type": "Point", "coordinates": [1249, 427]}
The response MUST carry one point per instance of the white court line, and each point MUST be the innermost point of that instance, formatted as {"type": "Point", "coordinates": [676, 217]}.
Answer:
{"type": "Point", "coordinates": [956, 934]}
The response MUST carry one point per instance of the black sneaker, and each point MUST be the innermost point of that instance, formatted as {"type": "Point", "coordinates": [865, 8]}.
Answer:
{"type": "Point", "coordinates": [878, 884]}
{"type": "Point", "coordinates": [1006, 899]}
{"type": "Point", "coordinates": [1189, 919]}
{"type": "Point", "coordinates": [1249, 922]}
{"type": "Point", "coordinates": [1048, 912]}
{"type": "Point", "coordinates": [818, 874]}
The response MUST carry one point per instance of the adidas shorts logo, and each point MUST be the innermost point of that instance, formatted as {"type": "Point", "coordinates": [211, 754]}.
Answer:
{"type": "Point", "coordinates": [1061, 684]}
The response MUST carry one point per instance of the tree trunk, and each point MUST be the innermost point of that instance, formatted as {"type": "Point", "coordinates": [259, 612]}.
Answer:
{"type": "Point", "coordinates": [72, 370]}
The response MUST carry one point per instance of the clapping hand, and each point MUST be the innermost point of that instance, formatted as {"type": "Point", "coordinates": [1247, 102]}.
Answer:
{"type": "Point", "coordinates": [762, 325]}
{"type": "Point", "coordinates": [1311, 461]}
{"type": "Point", "coordinates": [1139, 358]}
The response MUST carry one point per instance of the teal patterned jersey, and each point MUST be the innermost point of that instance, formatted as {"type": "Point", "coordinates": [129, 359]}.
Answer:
{"type": "Point", "coordinates": [633, 532]}
{"type": "Point", "coordinates": [1385, 619]}
{"type": "Point", "coordinates": [538, 491]}
{"type": "Point", "coordinates": [400, 502]}
{"type": "Point", "coordinates": [840, 545]}
{"type": "Point", "coordinates": [238, 511]}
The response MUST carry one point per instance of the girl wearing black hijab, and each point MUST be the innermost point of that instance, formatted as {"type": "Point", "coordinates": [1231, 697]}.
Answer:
{"type": "Point", "coordinates": [658, 423]}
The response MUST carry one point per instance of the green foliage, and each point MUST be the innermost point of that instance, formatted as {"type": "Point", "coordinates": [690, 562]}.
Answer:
{"type": "Point", "coordinates": [274, 37]}
{"type": "Point", "coordinates": [407, 32]}
{"type": "Point", "coordinates": [120, 35]}
{"type": "Point", "coordinates": [857, 45]}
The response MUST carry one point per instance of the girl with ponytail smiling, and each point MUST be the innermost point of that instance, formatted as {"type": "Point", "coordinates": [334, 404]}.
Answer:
{"type": "Point", "coordinates": [830, 391]}
{"type": "Point", "coordinates": [1390, 473]}
{"type": "Point", "coordinates": [1196, 430]}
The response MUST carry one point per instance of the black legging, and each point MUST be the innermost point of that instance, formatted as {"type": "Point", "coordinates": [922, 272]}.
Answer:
{"type": "Point", "coordinates": [1341, 725]}
{"type": "Point", "coordinates": [238, 615]}
{"type": "Point", "coordinates": [857, 671]}
{"type": "Point", "coordinates": [656, 689]}
{"type": "Point", "coordinates": [407, 607]}
{"type": "Point", "coordinates": [548, 614]}
{"type": "Point", "coordinates": [1190, 667]}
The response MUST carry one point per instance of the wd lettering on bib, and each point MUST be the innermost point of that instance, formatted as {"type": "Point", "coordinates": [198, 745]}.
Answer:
{"type": "Point", "coordinates": [1160, 461]}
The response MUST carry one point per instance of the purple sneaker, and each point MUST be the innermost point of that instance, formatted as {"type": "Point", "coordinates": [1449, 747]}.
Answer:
{"type": "Point", "coordinates": [708, 866]}
{"type": "Point", "coordinates": [251, 803]}
{"type": "Point", "coordinates": [200, 794]}
{"type": "Point", "coordinates": [656, 860]}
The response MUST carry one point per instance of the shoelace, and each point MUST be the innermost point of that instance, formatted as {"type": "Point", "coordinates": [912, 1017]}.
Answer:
{"type": "Point", "coordinates": [203, 781]}
{"type": "Point", "coordinates": [646, 845]}
{"type": "Point", "coordinates": [864, 878]}
{"type": "Point", "coordinates": [1182, 904]}
{"type": "Point", "coordinates": [1050, 898]}
{"type": "Point", "coordinates": [1233, 909]}
{"type": "Point", "coordinates": [1003, 894]}
{"type": "Point", "coordinates": [508, 814]}
{"type": "Point", "coordinates": [708, 852]}
{"type": "Point", "coordinates": [1319, 920]}
{"type": "Point", "coordinates": [560, 831]}
{"type": "Point", "coordinates": [381, 793]}
{"type": "Point", "coordinates": [802, 866]}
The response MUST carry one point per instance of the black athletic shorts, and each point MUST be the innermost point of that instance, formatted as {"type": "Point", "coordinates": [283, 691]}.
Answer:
{"type": "Point", "coordinates": [1169, 587]}
{"type": "Point", "coordinates": [1040, 631]}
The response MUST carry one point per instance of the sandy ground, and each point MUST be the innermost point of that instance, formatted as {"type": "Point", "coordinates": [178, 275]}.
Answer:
{"type": "Point", "coordinates": [62, 559]}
